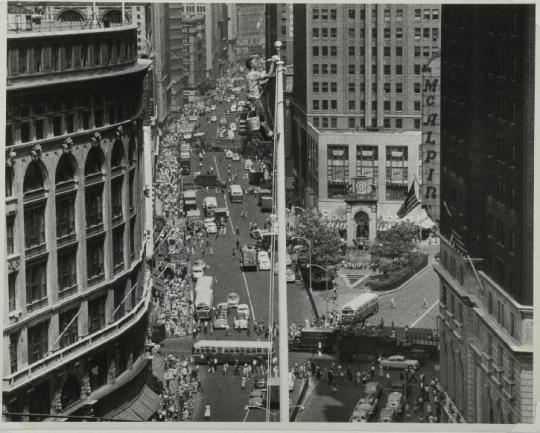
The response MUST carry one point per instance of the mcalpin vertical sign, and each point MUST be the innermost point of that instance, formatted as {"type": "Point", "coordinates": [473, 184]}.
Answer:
{"type": "Point", "coordinates": [431, 135]}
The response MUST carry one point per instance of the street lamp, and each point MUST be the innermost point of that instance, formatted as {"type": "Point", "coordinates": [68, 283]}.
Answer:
{"type": "Point", "coordinates": [309, 266]}
{"type": "Point", "coordinates": [325, 269]}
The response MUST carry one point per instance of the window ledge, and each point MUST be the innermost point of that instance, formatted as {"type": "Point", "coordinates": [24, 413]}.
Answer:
{"type": "Point", "coordinates": [96, 279]}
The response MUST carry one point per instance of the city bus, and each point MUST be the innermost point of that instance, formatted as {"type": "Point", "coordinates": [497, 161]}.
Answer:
{"type": "Point", "coordinates": [360, 308]}
{"type": "Point", "coordinates": [232, 350]}
{"type": "Point", "coordinates": [204, 296]}
{"type": "Point", "coordinates": [236, 195]}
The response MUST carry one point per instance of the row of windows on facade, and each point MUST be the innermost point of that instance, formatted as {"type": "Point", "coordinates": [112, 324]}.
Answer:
{"type": "Point", "coordinates": [426, 33]}
{"type": "Point", "coordinates": [397, 169]}
{"type": "Point", "coordinates": [39, 344]}
{"type": "Point", "coordinates": [332, 69]}
{"type": "Point", "coordinates": [36, 123]}
{"type": "Point", "coordinates": [495, 355]}
{"type": "Point", "coordinates": [34, 216]}
{"type": "Point", "coordinates": [332, 51]}
{"type": "Point", "coordinates": [66, 271]}
{"type": "Point", "coordinates": [58, 58]}
{"type": "Point", "coordinates": [332, 87]}
{"type": "Point", "coordinates": [34, 181]}
{"type": "Point", "coordinates": [501, 193]}
{"type": "Point", "coordinates": [325, 14]}
{"type": "Point", "coordinates": [353, 122]}
{"type": "Point", "coordinates": [332, 104]}
{"type": "Point", "coordinates": [496, 309]}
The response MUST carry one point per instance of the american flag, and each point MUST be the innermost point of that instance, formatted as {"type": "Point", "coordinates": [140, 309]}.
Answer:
{"type": "Point", "coordinates": [411, 201]}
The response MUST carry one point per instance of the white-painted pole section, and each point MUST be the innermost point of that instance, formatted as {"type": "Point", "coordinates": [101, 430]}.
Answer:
{"type": "Point", "coordinates": [282, 245]}
{"type": "Point", "coordinates": [123, 13]}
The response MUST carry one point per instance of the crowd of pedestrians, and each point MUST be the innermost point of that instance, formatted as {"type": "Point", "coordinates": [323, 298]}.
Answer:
{"type": "Point", "coordinates": [181, 384]}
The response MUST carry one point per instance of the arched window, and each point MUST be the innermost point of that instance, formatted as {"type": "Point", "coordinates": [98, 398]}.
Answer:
{"type": "Point", "coordinates": [362, 225]}
{"type": "Point", "coordinates": [112, 17]}
{"type": "Point", "coordinates": [94, 162]}
{"type": "Point", "coordinates": [64, 170]}
{"type": "Point", "coordinates": [117, 157]}
{"type": "Point", "coordinates": [33, 178]}
{"type": "Point", "coordinates": [70, 16]}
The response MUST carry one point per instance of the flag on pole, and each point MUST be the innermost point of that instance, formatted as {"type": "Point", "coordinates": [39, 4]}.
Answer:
{"type": "Point", "coordinates": [411, 201]}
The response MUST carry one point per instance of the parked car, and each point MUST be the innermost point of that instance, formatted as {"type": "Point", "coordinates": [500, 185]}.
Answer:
{"type": "Point", "coordinates": [210, 227]}
{"type": "Point", "coordinates": [395, 400]}
{"type": "Point", "coordinates": [221, 318]}
{"type": "Point", "coordinates": [398, 362]}
{"type": "Point", "coordinates": [197, 269]}
{"type": "Point", "coordinates": [229, 154]}
{"type": "Point", "coordinates": [264, 261]}
{"type": "Point", "coordinates": [233, 299]}
{"type": "Point", "coordinates": [236, 157]}
{"type": "Point", "coordinates": [213, 119]}
{"type": "Point", "coordinates": [248, 164]}
{"type": "Point", "coordinates": [241, 321]}
{"type": "Point", "coordinates": [374, 388]}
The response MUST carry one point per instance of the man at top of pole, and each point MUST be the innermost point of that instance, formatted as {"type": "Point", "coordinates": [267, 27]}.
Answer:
{"type": "Point", "coordinates": [255, 80]}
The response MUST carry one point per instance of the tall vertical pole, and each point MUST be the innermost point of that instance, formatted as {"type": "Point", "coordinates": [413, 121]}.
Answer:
{"type": "Point", "coordinates": [123, 13]}
{"type": "Point", "coordinates": [282, 245]}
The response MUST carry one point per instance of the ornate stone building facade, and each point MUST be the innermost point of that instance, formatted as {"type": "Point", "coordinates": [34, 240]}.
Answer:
{"type": "Point", "coordinates": [75, 308]}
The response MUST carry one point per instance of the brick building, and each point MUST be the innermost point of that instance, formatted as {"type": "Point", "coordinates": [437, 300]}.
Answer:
{"type": "Point", "coordinates": [486, 267]}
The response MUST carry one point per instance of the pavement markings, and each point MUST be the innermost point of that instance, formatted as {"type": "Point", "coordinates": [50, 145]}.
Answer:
{"type": "Point", "coordinates": [423, 315]}
{"type": "Point", "coordinates": [232, 231]}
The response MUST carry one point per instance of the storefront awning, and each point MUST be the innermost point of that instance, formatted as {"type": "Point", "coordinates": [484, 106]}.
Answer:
{"type": "Point", "coordinates": [142, 408]}
{"type": "Point", "coordinates": [338, 225]}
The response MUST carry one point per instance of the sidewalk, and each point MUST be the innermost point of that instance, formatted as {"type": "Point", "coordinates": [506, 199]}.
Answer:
{"type": "Point", "coordinates": [347, 292]}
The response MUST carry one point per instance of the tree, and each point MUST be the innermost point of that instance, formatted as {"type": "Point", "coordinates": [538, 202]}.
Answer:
{"type": "Point", "coordinates": [395, 245]}
{"type": "Point", "coordinates": [326, 245]}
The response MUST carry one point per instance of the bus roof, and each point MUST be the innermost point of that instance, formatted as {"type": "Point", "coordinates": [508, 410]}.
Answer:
{"type": "Point", "coordinates": [317, 329]}
{"type": "Point", "coordinates": [204, 282]}
{"type": "Point", "coordinates": [209, 201]}
{"type": "Point", "coordinates": [233, 343]}
{"type": "Point", "coordinates": [190, 193]}
{"type": "Point", "coordinates": [204, 297]}
{"type": "Point", "coordinates": [360, 300]}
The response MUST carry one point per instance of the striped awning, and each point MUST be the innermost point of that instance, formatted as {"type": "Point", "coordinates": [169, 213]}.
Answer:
{"type": "Point", "coordinates": [338, 225]}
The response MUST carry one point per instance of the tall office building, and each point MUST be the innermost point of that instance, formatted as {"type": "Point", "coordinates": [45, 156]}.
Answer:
{"type": "Point", "coordinates": [75, 304]}
{"type": "Point", "coordinates": [250, 32]}
{"type": "Point", "coordinates": [198, 43]}
{"type": "Point", "coordinates": [279, 27]}
{"type": "Point", "coordinates": [486, 266]}
{"type": "Point", "coordinates": [357, 108]}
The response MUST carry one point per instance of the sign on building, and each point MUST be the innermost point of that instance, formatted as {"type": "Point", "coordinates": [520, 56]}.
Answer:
{"type": "Point", "coordinates": [431, 145]}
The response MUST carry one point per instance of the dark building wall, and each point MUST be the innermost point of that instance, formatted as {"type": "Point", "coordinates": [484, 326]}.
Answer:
{"type": "Point", "coordinates": [487, 114]}
{"type": "Point", "coordinates": [300, 63]}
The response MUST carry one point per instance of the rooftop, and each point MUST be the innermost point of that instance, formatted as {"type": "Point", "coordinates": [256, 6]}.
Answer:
{"type": "Point", "coordinates": [17, 28]}
{"type": "Point", "coordinates": [78, 76]}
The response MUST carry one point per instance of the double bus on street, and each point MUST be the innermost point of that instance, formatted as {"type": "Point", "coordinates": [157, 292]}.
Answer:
{"type": "Point", "coordinates": [231, 350]}
{"type": "Point", "coordinates": [204, 296]}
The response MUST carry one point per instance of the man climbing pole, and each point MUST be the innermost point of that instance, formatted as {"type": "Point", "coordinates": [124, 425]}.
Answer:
{"type": "Point", "coordinates": [255, 79]}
